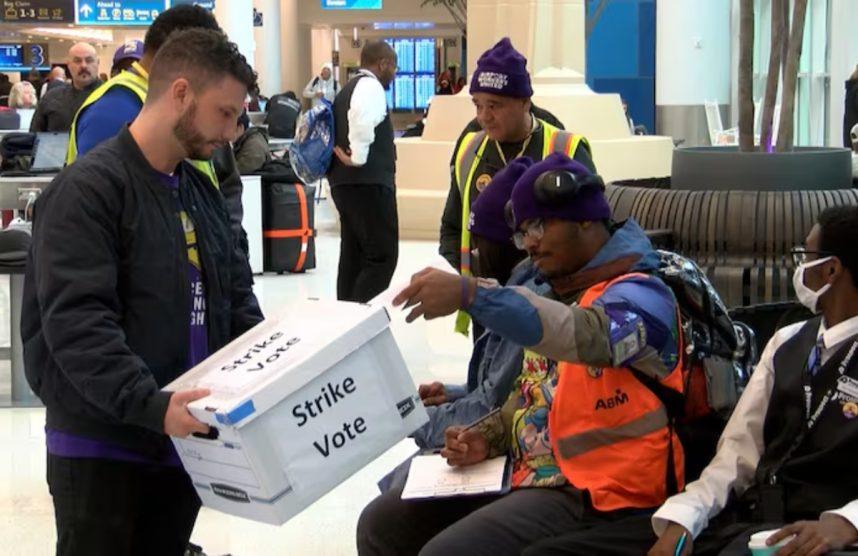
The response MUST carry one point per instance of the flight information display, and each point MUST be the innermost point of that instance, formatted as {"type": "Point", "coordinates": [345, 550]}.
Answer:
{"type": "Point", "coordinates": [403, 94]}
{"type": "Point", "coordinates": [424, 54]}
{"type": "Point", "coordinates": [415, 77]}
{"type": "Point", "coordinates": [11, 55]}
{"type": "Point", "coordinates": [424, 90]}
{"type": "Point", "coordinates": [404, 55]}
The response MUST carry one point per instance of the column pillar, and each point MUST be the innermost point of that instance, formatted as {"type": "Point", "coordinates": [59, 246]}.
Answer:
{"type": "Point", "coordinates": [267, 62]}
{"type": "Point", "coordinates": [236, 20]}
{"type": "Point", "coordinates": [549, 34]}
{"type": "Point", "coordinates": [693, 44]}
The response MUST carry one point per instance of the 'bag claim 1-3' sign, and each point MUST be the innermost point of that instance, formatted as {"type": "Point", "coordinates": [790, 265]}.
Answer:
{"type": "Point", "coordinates": [37, 11]}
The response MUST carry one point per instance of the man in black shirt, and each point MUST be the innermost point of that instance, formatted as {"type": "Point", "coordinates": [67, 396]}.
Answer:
{"type": "Point", "coordinates": [59, 105]}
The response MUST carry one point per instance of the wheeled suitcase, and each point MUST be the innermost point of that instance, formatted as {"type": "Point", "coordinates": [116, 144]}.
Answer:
{"type": "Point", "coordinates": [289, 243]}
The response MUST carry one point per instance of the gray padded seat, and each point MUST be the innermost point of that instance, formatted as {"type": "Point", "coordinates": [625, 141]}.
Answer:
{"type": "Point", "coordinates": [742, 239]}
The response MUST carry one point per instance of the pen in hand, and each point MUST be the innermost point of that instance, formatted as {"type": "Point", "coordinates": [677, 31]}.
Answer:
{"type": "Point", "coordinates": [680, 545]}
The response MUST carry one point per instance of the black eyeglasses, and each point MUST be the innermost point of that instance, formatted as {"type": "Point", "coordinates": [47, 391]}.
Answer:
{"type": "Point", "coordinates": [801, 255]}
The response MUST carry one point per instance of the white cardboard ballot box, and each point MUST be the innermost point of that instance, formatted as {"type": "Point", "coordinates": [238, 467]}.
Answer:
{"type": "Point", "coordinates": [299, 403]}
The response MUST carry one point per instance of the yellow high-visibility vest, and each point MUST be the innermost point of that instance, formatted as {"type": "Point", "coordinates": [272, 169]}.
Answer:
{"type": "Point", "coordinates": [467, 160]}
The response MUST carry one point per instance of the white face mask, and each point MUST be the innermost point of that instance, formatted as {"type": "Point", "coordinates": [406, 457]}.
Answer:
{"type": "Point", "coordinates": [807, 296]}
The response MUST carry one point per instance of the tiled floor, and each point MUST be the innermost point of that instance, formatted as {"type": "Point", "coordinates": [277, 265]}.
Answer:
{"type": "Point", "coordinates": [432, 350]}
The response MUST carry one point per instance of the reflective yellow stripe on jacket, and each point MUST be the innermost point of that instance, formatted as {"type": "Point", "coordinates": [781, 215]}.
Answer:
{"type": "Point", "coordinates": [467, 160]}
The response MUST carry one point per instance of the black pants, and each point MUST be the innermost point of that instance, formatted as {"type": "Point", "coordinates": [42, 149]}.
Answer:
{"type": "Point", "coordinates": [113, 507]}
{"type": "Point", "coordinates": [485, 525]}
{"type": "Point", "coordinates": [634, 535]}
{"type": "Point", "coordinates": [369, 240]}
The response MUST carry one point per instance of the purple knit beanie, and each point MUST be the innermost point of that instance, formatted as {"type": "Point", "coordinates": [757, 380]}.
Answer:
{"type": "Point", "coordinates": [487, 212]}
{"type": "Point", "coordinates": [502, 70]}
{"type": "Point", "coordinates": [589, 205]}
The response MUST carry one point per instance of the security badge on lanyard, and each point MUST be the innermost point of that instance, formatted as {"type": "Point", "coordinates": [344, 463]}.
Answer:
{"type": "Point", "coordinates": [845, 392]}
{"type": "Point", "coordinates": [772, 500]}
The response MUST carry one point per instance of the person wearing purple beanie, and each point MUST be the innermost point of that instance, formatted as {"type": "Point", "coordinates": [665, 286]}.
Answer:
{"type": "Point", "coordinates": [588, 439]}
{"type": "Point", "coordinates": [501, 92]}
{"type": "Point", "coordinates": [494, 254]}
{"type": "Point", "coordinates": [495, 361]}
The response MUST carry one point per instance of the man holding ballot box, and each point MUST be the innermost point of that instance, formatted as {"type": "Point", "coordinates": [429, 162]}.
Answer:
{"type": "Point", "coordinates": [133, 278]}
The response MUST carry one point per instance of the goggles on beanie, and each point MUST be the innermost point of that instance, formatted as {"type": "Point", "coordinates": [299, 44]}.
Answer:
{"type": "Point", "coordinates": [556, 187]}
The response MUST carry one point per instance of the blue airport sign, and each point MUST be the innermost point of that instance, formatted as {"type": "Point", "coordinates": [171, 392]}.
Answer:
{"type": "Point", "coordinates": [351, 4]}
{"type": "Point", "coordinates": [118, 12]}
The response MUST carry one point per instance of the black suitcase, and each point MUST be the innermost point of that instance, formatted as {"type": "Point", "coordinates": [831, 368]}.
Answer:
{"type": "Point", "coordinates": [289, 237]}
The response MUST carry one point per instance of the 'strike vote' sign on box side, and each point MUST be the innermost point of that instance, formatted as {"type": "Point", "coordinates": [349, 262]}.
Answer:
{"type": "Point", "coordinates": [298, 404]}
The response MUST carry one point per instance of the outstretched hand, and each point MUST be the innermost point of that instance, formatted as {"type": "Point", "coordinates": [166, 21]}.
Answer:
{"type": "Point", "coordinates": [432, 293]}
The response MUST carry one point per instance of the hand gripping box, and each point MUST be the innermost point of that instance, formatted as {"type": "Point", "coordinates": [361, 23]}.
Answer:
{"type": "Point", "coordinates": [299, 404]}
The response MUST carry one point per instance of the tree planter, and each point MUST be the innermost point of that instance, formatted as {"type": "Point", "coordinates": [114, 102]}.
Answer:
{"type": "Point", "coordinates": [728, 169]}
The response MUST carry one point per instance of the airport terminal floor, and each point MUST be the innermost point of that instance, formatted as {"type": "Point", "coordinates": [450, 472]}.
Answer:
{"type": "Point", "coordinates": [325, 528]}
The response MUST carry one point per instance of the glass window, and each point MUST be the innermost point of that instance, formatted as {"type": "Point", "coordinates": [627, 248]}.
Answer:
{"type": "Point", "coordinates": [811, 107]}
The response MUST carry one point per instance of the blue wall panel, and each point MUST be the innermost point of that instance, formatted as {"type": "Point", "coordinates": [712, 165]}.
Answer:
{"type": "Point", "coordinates": [621, 54]}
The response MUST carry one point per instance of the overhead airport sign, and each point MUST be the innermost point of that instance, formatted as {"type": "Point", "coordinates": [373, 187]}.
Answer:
{"type": "Point", "coordinates": [118, 12]}
{"type": "Point", "coordinates": [23, 56]}
{"type": "Point", "coordinates": [37, 11]}
{"type": "Point", "coordinates": [207, 4]}
{"type": "Point", "coordinates": [351, 4]}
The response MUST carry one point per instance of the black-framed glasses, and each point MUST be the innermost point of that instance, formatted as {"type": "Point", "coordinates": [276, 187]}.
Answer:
{"type": "Point", "coordinates": [801, 255]}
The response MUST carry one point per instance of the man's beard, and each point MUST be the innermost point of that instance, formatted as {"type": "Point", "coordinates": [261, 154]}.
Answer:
{"type": "Point", "coordinates": [189, 137]}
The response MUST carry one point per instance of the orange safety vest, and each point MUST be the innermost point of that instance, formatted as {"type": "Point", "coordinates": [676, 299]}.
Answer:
{"type": "Point", "coordinates": [610, 433]}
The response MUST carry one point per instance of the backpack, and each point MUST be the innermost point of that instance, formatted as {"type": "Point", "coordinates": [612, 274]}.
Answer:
{"type": "Point", "coordinates": [316, 82]}
{"type": "Point", "coordinates": [719, 357]}
{"type": "Point", "coordinates": [9, 118]}
{"type": "Point", "coordinates": [16, 151]}
{"type": "Point", "coordinates": [282, 116]}
{"type": "Point", "coordinates": [311, 151]}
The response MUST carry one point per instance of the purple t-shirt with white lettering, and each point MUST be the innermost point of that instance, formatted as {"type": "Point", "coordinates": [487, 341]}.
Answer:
{"type": "Point", "coordinates": [73, 446]}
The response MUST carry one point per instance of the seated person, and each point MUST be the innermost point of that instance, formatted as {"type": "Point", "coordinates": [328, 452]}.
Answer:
{"type": "Point", "coordinates": [23, 95]}
{"type": "Point", "coordinates": [789, 445]}
{"type": "Point", "coordinates": [590, 442]}
{"type": "Point", "coordinates": [785, 456]}
{"type": "Point", "coordinates": [495, 362]}
{"type": "Point", "coordinates": [250, 147]}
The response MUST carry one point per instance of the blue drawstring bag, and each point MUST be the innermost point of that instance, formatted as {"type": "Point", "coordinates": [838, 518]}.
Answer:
{"type": "Point", "coordinates": [311, 151]}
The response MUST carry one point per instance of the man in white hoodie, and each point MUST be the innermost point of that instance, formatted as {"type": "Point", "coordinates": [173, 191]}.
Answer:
{"type": "Point", "coordinates": [322, 86]}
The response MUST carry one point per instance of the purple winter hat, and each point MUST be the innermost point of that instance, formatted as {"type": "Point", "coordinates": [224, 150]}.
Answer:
{"type": "Point", "coordinates": [588, 205]}
{"type": "Point", "coordinates": [487, 213]}
{"type": "Point", "coordinates": [502, 70]}
{"type": "Point", "coordinates": [130, 49]}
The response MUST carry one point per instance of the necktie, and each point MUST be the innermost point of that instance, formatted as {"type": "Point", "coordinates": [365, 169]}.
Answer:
{"type": "Point", "coordinates": [814, 361]}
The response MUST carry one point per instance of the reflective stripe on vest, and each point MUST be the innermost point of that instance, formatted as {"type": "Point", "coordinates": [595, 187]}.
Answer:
{"type": "Point", "coordinates": [137, 82]}
{"type": "Point", "coordinates": [610, 432]}
{"type": "Point", "coordinates": [468, 159]}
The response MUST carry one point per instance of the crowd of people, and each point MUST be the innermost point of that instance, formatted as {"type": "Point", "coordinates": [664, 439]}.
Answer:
{"type": "Point", "coordinates": [138, 271]}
